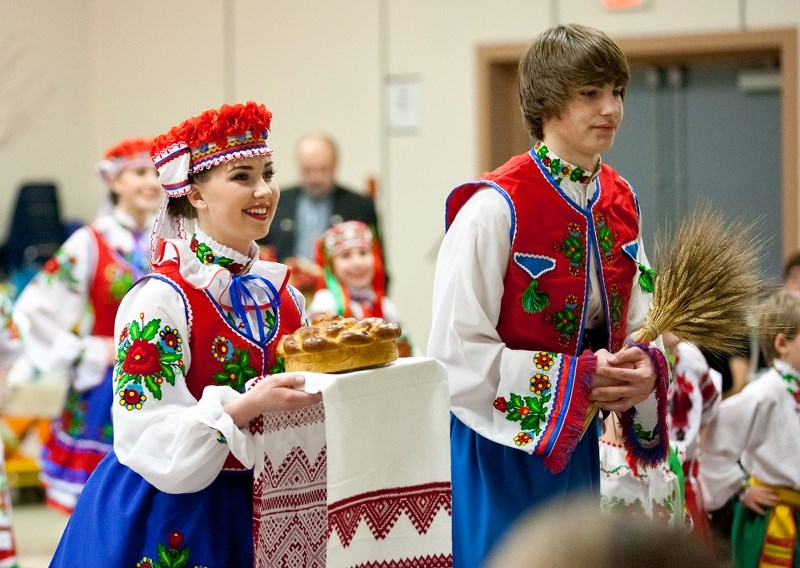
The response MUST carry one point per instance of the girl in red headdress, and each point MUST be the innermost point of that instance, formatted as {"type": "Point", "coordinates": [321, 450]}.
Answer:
{"type": "Point", "coordinates": [177, 489]}
{"type": "Point", "coordinates": [68, 312]}
{"type": "Point", "coordinates": [354, 282]}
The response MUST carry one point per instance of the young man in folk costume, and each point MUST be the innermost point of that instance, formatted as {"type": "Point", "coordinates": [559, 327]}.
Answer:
{"type": "Point", "coordinates": [540, 280]}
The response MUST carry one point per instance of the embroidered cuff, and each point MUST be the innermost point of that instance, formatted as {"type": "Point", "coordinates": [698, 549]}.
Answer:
{"type": "Point", "coordinates": [572, 429]}
{"type": "Point", "coordinates": [650, 447]}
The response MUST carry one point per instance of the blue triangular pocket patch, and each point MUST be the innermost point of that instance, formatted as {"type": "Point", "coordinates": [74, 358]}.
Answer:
{"type": "Point", "coordinates": [534, 265]}
{"type": "Point", "coordinates": [632, 250]}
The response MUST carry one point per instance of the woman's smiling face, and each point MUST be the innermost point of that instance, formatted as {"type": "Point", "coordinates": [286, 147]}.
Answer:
{"type": "Point", "coordinates": [236, 201]}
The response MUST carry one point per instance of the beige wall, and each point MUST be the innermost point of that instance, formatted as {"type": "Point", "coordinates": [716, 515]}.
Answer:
{"type": "Point", "coordinates": [96, 71]}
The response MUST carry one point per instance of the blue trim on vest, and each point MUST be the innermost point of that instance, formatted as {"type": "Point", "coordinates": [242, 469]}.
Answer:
{"type": "Point", "coordinates": [169, 281]}
{"type": "Point", "coordinates": [601, 279]}
{"type": "Point", "coordinates": [493, 185]}
{"type": "Point", "coordinates": [546, 173]}
{"type": "Point", "coordinates": [243, 335]}
{"type": "Point", "coordinates": [293, 293]}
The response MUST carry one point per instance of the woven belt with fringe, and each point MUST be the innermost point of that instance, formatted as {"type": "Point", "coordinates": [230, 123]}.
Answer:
{"type": "Point", "coordinates": [781, 538]}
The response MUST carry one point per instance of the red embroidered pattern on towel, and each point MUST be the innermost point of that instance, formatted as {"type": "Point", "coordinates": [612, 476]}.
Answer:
{"type": "Point", "coordinates": [276, 421]}
{"type": "Point", "coordinates": [289, 512]}
{"type": "Point", "coordinates": [438, 561]}
{"type": "Point", "coordinates": [381, 509]}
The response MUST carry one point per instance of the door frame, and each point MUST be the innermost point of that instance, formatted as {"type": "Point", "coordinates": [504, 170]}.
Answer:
{"type": "Point", "coordinates": [672, 50]}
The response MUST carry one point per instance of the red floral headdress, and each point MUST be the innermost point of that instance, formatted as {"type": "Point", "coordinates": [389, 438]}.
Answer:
{"type": "Point", "coordinates": [128, 154]}
{"type": "Point", "coordinates": [214, 137]}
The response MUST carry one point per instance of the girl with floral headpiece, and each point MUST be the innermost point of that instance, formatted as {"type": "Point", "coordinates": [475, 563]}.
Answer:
{"type": "Point", "coordinates": [177, 489]}
{"type": "Point", "coordinates": [353, 282]}
{"type": "Point", "coordinates": [68, 310]}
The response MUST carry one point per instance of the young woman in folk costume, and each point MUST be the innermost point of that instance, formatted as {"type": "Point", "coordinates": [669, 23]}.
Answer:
{"type": "Point", "coordinates": [177, 489]}
{"type": "Point", "coordinates": [354, 282]}
{"type": "Point", "coordinates": [67, 315]}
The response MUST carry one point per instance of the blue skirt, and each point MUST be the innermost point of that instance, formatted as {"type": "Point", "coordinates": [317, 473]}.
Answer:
{"type": "Point", "coordinates": [122, 520]}
{"type": "Point", "coordinates": [494, 485]}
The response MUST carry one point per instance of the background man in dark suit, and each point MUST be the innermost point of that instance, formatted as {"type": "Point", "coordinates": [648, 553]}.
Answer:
{"type": "Point", "coordinates": [318, 202]}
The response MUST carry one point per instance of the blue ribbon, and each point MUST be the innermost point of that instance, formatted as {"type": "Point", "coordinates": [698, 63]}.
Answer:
{"type": "Point", "coordinates": [140, 255]}
{"type": "Point", "coordinates": [242, 297]}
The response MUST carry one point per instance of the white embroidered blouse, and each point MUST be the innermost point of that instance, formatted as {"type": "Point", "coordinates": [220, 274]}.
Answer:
{"type": "Point", "coordinates": [178, 443]}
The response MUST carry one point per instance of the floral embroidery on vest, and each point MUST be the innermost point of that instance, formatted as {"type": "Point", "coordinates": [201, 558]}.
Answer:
{"type": "Point", "coordinates": [278, 367]}
{"type": "Point", "coordinates": [235, 362]}
{"type": "Point", "coordinates": [146, 356]}
{"type": "Point", "coordinates": [573, 247]}
{"type": "Point", "coordinates": [119, 281]}
{"type": "Point", "coordinates": [615, 307]}
{"type": "Point", "coordinates": [59, 268]}
{"type": "Point", "coordinates": [566, 321]}
{"type": "Point", "coordinates": [605, 238]}
{"type": "Point", "coordinates": [206, 255]}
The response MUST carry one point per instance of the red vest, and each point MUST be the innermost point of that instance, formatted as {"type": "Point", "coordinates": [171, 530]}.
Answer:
{"type": "Point", "coordinates": [113, 277]}
{"type": "Point", "coordinates": [218, 349]}
{"type": "Point", "coordinates": [546, 281]}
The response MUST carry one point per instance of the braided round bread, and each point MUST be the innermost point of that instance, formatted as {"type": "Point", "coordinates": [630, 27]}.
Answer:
{"type": "Point", "coordinates": [333, 344]}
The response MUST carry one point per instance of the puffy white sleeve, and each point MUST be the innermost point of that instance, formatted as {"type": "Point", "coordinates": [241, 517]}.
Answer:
{"type": "Point", "coordinates": [54, 315]}
{"type": "Point", "coordinates": [742, 423]}
{"type": "Point", "coordinates": [491, 388]}
{"type": "Point", "coordinates": [174, 441]}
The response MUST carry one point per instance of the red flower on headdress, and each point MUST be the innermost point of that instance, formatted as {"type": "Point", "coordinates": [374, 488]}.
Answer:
{"type": "Point", "coordinates": [129, 147]}
{"type": "Point", "coordinates": [215, 125]}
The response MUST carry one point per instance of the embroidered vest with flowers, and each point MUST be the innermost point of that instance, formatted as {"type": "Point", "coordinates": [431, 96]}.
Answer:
{"type": "Point", "coordinates": [222, 354]}
{"type": "Point", "coordinates": [547, 278]}
{"type": "Point", "coordinates": [113, 277]}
